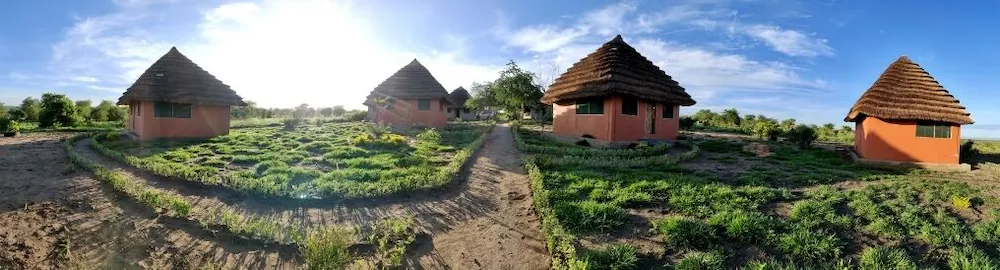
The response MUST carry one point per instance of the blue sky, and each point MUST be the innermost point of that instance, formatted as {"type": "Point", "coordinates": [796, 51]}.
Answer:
{"type": "Point", "coordinates": [809, 60]}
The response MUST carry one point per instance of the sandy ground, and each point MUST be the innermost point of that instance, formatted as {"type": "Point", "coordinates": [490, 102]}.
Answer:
{"type": "Point", "coordinates": [485, 221]}
{"type": "Point", "coordinates": [56, 216]}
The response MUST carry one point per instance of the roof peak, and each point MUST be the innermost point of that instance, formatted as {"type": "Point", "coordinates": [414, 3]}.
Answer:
{"type": "Point", "coordinates": [904, 58]}
{"type": "Point", "coordinates": [617, 39]}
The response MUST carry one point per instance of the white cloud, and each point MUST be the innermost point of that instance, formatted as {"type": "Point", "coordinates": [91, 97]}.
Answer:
{"type": "Point", "coordinates": [276, 53]}
{"type": "Point", "coordinates": [790, 42]}
{"type": "Point", "coordinates": [544, 38]}
{"type": "Point", "coordinates": [609, 20]}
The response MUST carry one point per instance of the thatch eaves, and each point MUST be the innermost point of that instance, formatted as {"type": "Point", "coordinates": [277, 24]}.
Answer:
{"type": "Point", "coordinates": [175, 78]}
{"type": "Point", "coordinates": [616, 68]}
{"type": "Point", "coordinates": [905, 91]}
{"type": "Point", "coordinates": [413, 81]}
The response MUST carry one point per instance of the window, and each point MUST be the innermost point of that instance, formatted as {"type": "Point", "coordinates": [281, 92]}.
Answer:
{"type": "Point", "coordinates": [424, 104]}
{"type": "Point", "coordinates": [590, 106]}
{"type": "Point", "coordinates": [668, 111]}
{"type": "Point", "coordinates": [389, 103]}
{"type": "Point", "coordinates": [171, 110]}
{"type": "Point", "coordinates": [630, 105]}
{"type": "Point", "coordinates": [138, 108]}
{"type": "Point", "coordinates": [932, 129]}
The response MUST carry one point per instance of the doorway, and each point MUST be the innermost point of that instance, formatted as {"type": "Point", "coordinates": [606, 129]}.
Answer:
{"type": "Point", "coordinates": [650, 118]}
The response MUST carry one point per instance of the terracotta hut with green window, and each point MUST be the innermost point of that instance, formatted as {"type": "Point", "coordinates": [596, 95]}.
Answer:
{"type": "Point", "coordinates": [175, 98]}
{"type": "Point", "coordinates": [907, 116]}
{"type": "Point", "coordinates": [616, 94]}
{"type": "Point", "coordinates": [410, 97]}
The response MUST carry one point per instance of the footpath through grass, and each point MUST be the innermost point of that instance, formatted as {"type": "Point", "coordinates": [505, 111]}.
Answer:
{"type": "Point", "coordinates": [332, 160]}
{"type": "Point", "coordinates": [787, 211]}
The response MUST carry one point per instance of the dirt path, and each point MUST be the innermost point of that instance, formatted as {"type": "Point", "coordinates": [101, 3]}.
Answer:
{"type": "Point", "coordinates": [486, 221]}
{"type": "Point", "coordinates": [55, 216]}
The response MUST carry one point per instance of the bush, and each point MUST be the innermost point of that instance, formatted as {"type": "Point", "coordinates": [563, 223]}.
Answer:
{"type": "Point", "coordinates": [391, 237]}
{"type": "Point", "coordinates": [393, 139]}
{"type": "Point", "coordinates": [701, 261]}
{"type": "Point", "coordinates": [590, 216]}
{"type": "Point", "coordinates": [363, 138]}
{"type": "Point", "coordinates": [616, 257]}
{"type": "Point", "coordinates": [961, 202]}
{"type": "Point", "coordinates": [684, 232]}
{"type": "Point", "coordinates": [57, 109]}
{"type": "Point", "coordinates": [810, 245]}
{"type": "Point", "coordinates": [988, 231]}
{"type": "Point", "coordinates": [883, 258]}
{"type": "Point", "coordinates": [326, 248]}
{"type": "Point", "coordinates": [802, 135]}
{"type": "Point", "coordinates": [686, 122]}
{"type": "Point", "coordinates": [291, 123]}
{"type": "Point", "coordinates": [970, 258]}
{"type": "Point", "coordinates": [746, 226]}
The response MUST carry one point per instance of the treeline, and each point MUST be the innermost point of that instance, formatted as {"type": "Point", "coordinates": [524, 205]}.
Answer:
{"type": "Point", "coordinates": [761, 126]}
{"type": "Point", "coordinates": [251, 111]}
{"type": "Point", "coordinates": [54, 110]}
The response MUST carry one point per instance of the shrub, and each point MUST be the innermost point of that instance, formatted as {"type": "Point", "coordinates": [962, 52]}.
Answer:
{"type": "Point", "coordinates": [429, 137]}
{"type": "Point", "coordinates": [291, 123]}
{"type": "Point", "coordinates": [616, 257]}
{"type": "Point", "coordinates": [988, 231]}
{"type": "Point", "coordinates": [746, 226]}
{"type": "Point", "coordinates": [686, 122]}
{"type": "Point", "coordinates": [590, 216]}
{"type": "Point", "coordinates": [393, 139]}
{"type": "Point", "coordinates": [684, 232]}
{"type": "Point", "coordinates": [701, 261]}
{"type": "Point", "coordinates": [883, 258]}
{"type": "Point", "coordinates": [363, 138]}
{"type": "Point", "coordinates": [970, 258]}
{"type": "Point", "coordinates": [326, 248]}
{"type": "Point", "coordinates": [961, 202]}
{"type": "Point", "coordinates": [801, 135]}
{"type": "Point", "coordinates": [809, 245]}
{"type": "Point", "coordinates": [391, 237]}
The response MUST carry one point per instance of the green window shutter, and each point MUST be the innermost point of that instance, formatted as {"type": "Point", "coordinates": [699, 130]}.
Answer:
{"type": "Point", "coordinates": [424, 104]}
{"type": "Point", "coordinates": [162, 109]}
{"type": "Point", "coordinates": [182, 110]}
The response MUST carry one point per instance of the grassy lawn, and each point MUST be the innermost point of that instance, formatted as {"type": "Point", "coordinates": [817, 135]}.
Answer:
{"type": "Point", "coordinates": [796, 209]}
{"type": "Point", "coordinates": [331, 160]}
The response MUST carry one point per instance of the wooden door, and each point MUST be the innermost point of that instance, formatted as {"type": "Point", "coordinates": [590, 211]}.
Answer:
{"type": "Point", "coordinates": [650, 118]}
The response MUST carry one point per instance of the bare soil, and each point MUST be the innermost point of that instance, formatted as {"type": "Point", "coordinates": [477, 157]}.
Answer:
{"type": "Point", "coordinates": [484, 221]}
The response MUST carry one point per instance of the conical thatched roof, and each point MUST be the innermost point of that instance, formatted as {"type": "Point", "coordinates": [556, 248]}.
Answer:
{"type": "Point", "coordinates": [616, 68]}
{"type": "Point", "coordinates": [905, 91]}
{"type": "Point", "coordinates": [458, 97]}
{"type": "Point", "coordinates": [413, 81]}
{"type": "Point", "coordinates": [175, 78]}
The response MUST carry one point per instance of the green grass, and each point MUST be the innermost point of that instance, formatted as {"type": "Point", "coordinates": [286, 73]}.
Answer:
{"type": "Point", "coordinates": [327, 248]}
{"type": "Point", "coordinates": [786, 206]}
{"type": "Point", "coordinates": [326, 161]}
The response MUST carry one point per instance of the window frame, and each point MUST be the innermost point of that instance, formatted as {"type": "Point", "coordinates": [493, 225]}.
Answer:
{"type": "Point", "coordinates": [667, 111]}
{"type": "Point", "coordinates": [420, 105]}
{"type": "Point", "coordinates": [630, 105]}
{"type": "Point", "coordinates": [588, 106]}
{"type": "Point", "coordinates": [163, 109]}
{"type": "Point", "coordinates": [933, 130]}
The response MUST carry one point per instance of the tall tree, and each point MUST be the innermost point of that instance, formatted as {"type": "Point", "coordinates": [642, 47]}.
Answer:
{"type": "Point", "coordinates": [514, 92]}
{"type": "Point", "coordinates": [102, 111]}
{"type": "Point", "coordinates": [339, 110]}
{"type": "Point", "coordinates": [57, 109]}
{"type": "Point", "coordinates": [731, 117]}
{"type": "Point", "coordinates": [31, 108]}
{"type": "Point", "coordinates": [326, 112]}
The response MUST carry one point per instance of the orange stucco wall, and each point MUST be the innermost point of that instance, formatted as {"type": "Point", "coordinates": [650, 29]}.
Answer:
{"type": "Point", "coordinates": [405, 112]}
{"type": "Point", "coordinates": [897, 140]}
{"type": "Point", "coordinates": [206, 121]}
{"type": "Point", "coordinates": [612, 125]}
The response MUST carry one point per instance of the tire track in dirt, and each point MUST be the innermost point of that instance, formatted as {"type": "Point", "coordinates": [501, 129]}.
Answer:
{"type": "Point", "coordinates": [485, 221]}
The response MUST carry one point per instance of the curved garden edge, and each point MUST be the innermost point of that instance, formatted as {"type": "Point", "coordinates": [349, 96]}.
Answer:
{"type": "Point", "coordinates": [560, 243]}
{"type": "Point", "coordinates": [174, 209]}
{"type": "Point", "coordinates": [449, 175]}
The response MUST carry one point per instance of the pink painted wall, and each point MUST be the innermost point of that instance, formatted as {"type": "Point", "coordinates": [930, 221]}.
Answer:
{"type": "Point", "coordinates": [206, 121]}
{"type": "Point", "coordinates": [897, 140]}
{"type": "Point", "coordinates": [613, 125]}
{"type": "Point", "coordinates": [405, 112]}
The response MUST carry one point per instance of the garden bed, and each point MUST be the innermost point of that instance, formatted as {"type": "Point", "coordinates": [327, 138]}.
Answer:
{"type": "Point", "coordinates": [719, 207]}
{"type": "Point", "coordinates": [329, 161]}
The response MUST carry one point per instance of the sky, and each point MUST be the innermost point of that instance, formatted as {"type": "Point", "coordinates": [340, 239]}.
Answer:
{"type": "Point", "coordinates": [808, 60]}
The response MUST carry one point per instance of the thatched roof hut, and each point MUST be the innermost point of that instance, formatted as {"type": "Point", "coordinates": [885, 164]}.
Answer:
{"type": "Point", "coordinates": [616, 68]}
{"type": "Point", "coordinates": [413, 81]}
{"type": "Point", "coordinates": [905, 91]}
{"type": "Point", "coordinates": [458, 97]}
{"type": "Point", "coordinates": [175, 78]}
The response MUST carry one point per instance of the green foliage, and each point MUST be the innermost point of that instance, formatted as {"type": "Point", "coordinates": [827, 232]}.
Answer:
{"type": "Point", "coordinates": [746, 226]}
{"type": "Point", "coordinates": [961, 202]}
{"type": "Point", "coordinates": [883, 258]}
{"type": "Point", "coordinates": [970, 258]}
{"type": "Point", "coordinates": [801, 135]}
{"type": "Point", "coordinates": [590, 216]}
{"type": "Point", "coordinates": [514, 91]}
{"type": "Point", "coordinates": [327, 248]}
{"type": "Point", "coordinates": [686, 233]}
{"type": "Point", "coordinates": [31, 109]}
{"type": "Point", "coordinates": [701, 261]}
{"type": "Point", "coordinates": [615, 257]}
{"type": "Point", "coordinates": [57, 110]}
{"type": "Point", "coordinates": [811, 245]}
{"type": "Point", "coordinates": [391, 237]}
{"type": "Point", "coordinates": [988, 231]}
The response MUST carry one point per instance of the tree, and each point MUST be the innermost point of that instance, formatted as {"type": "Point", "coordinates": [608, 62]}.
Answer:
{"type": "Point", "coordinates": [57, 109]}
{"type": "Point", "coordinates": [102, 112]}
{"type": "Point", "coordinates": [802, 135]}
{"type": "Point", "coordinates": [704, 117]}
{"type": "Point", "coordinates": [787, 124]}
{"type": "Point", "coordinates": [326, 112]}
{"type": "Point", "coordinates": [339, 110]}
{"type": "Point", "coordinates": [116, 113]}
{"type": "Point", "coordinates": [481, 96]}
{"type": "Point", "coordinates": [730, 118]}
{"type": "Point", "coordinates": [83, 109]}
{"type": "Point", "coordinates": [15, 114]}
{"type": "Point", "coordinates": [3, 111]}
{"type": "Point", "coordinates": [31, 108]}
{"type": "Point", "coordinates": [514, 92]}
